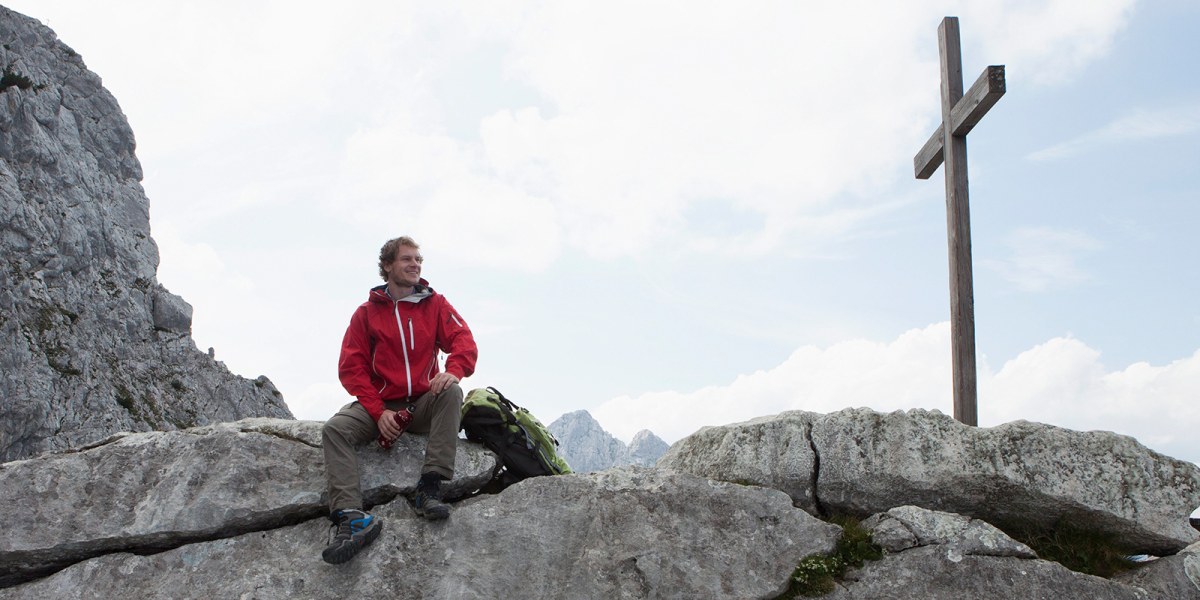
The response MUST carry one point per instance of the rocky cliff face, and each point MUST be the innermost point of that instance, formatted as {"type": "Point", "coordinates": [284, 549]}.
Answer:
{"type": "Point", "coordinates": [90, 343]}
{"type": "Point", "coordinates": [587, 447]}
{"type": "Point", "coordinates": [237, 510]}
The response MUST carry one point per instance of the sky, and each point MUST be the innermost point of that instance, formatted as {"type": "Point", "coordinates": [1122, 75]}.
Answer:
{"type": "Point", "coordinates": [674, 214]}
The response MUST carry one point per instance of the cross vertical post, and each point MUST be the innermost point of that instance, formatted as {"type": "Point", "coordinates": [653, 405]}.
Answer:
{"type": "Point", "coordinates": [948, 144]}
{"type": "Point", "coordinates": [958, 227]}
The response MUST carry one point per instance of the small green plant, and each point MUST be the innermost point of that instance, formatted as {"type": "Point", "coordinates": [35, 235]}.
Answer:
{"type": "Point", "coordinates": [59, 359]}
{"type": "Point", "coordinates": [13, 79]}
{"type": "Point", "coordinates": [125, 399]}
{"type": "Point", "coordinates": [1080, 550]}
{"type": "Point", "coordinates": [817, 574]}
{"type": "Point", "coordinates": [47, 318]}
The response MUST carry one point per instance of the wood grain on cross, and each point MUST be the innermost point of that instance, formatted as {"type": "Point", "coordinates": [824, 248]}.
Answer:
{"type": "Point", "coordinates": [948, 144]}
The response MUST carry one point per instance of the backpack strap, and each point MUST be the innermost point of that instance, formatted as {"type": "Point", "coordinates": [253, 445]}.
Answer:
{"type": "Point", "coordinates": [512, 406]}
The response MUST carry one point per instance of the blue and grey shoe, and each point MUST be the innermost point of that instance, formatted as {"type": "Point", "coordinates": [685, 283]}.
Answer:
{"type": "Point", "coordinates": [355, 530]}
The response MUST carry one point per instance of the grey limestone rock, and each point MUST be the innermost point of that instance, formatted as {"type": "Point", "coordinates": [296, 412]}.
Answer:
{"type": "Point", "coordinates": [931, 573]}
{"type": "Point", "coordinates": [1176, 577]}
{"type": "Point", "coordinates": [773, 451]}
{"type": "Point", "coordinates": [1020, 474]}
{"type": "Point", "coordinates": [170, 312]}
{"type": "Point", "coordinates": [936, 555]}
{"type": "Point", "coordinates": [90, 343]}
{"type": "Point", "coordinates": [907, 527]}
{"type": "Point", "coordinates": [142, 492]}
{"type": "Point", "coordinates": [624, 533]}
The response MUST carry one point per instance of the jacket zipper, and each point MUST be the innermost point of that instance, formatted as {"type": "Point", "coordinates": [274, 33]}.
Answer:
{"type": "Point", "coordinates": [403, 345]}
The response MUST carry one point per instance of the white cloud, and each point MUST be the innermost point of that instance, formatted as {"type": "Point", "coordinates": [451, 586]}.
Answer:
{"type": "Point", "coordinates": [1044, 42]}
{"type": "Point", "coordinates": [1043, 258]}
{"type": "Point", "coordinates": [635, 114]}
{"type": "Point", "coordinates": [486, 223]}
{"type": "Point", "coordinates": [913, 370]}
{"type": "Point", "coordinates": [1138, 126]}
{"type": "Point", "coordinates": [638, 112]}
{"type": "Point", "coordinates": [439, 189]}
{"type": "Point", "coordinates": [669, 106]}
{"type": "Point", "coordinates": [1064, 382]}
{"type": "Point", "coordinates": [1061, 382]}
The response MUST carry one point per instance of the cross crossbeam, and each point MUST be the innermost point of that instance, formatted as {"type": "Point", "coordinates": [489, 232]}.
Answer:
{"type": "Point", "coordinates": [966, 113]}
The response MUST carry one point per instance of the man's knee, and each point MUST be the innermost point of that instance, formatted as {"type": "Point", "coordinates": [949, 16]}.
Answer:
{"type": "Point", "coordinates": [347, 425]}
{"type": "Point", "coordinates": [448, 403]}
{"type": "Point", "coordinates": [453, 393]}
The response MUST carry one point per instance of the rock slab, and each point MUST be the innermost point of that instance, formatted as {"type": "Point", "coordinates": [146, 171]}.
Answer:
{"type": "Point", "coordinates": [947, 556]}
{"type": "Point", "coordinates": [628, 532]}
{"type": "Point", "coordinates": [1017, 475]}
{"type": "Point", "coordinates": [144, 492]}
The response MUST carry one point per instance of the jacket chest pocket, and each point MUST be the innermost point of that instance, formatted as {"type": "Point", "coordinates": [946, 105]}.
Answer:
{"type": "Point", "coordinates": [416, 332]}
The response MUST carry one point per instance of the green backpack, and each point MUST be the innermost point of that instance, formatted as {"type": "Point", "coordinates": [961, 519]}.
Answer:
{"type": "Point", "coordinates": [525, 447]}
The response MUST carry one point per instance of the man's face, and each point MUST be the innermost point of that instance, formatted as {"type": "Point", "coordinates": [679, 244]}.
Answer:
{"type": "Point", "coordinates": [405, 270]}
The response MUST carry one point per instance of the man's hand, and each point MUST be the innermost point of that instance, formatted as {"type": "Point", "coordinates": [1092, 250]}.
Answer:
{"type": "Point", "coordinates": [441, 381]}
{"type": "Point", "coordinates": [388, 429]}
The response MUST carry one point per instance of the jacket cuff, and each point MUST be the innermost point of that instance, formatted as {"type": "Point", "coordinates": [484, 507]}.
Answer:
{"type": "Point", "coordinates": [373, 406]}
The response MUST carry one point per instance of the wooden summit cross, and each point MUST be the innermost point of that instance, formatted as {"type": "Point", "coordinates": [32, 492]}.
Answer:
{"type": "Point", "coordinates": [949, 144]}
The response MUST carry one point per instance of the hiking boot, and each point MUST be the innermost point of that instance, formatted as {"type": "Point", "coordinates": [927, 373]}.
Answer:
{"type": "Point", "coordinates": [355, 529]}
{"type": "Point", "coordinates": [428, 500]}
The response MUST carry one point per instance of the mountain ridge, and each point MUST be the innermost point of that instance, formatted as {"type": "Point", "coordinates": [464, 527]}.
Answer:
{"type": "Point", "coordinates": [587, 447]}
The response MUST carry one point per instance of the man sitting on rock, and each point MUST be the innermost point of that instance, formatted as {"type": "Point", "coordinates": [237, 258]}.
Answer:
{"type": "Point", "coordinates": [389, 361]}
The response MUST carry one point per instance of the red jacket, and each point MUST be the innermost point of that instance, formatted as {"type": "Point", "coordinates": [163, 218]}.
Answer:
{"type": "Point", "coordinates": [390, 351]}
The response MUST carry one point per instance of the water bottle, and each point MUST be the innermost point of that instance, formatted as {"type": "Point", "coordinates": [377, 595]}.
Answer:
{"type": "Point", "coordinates": [403, 417]}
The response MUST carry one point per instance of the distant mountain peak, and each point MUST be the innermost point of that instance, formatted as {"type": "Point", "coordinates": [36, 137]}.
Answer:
{"type": "Point", "coordinates": [587, 447]}
{"type": "Point", "coordinates": [646, 448]}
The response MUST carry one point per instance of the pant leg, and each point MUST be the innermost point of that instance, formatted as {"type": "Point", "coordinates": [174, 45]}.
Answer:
{"type": "Point", "coordinates": [340, 437]}
{"type": "Point", "coordinates": [438, 415]}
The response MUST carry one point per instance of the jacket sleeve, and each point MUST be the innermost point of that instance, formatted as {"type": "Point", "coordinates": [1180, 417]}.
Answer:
{"type": "Point", "coordinates": [354, 364]}
{"type": "Point", "coordinates": [457, 341]}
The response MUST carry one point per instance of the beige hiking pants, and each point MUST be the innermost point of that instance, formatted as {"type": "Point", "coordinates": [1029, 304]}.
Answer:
{"type": "Point", "coordinates": [434, 414]}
